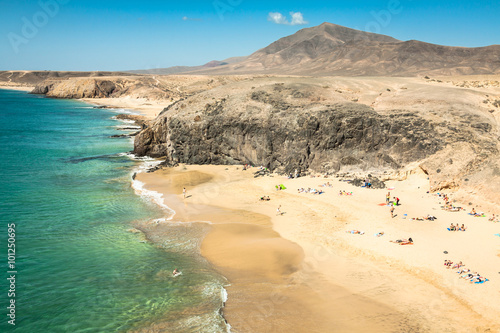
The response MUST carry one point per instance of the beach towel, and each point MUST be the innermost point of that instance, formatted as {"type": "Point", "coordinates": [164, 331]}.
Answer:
{"type": "Point", "coordinates": [497, 235]}
{"type": "Point", "coordinates": [382, 204]}
{"type": "Point", "coordinates": [481, 281]}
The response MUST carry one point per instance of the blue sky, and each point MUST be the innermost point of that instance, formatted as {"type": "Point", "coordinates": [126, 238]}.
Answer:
{"type": "Point", "coordinates": [121, 35]}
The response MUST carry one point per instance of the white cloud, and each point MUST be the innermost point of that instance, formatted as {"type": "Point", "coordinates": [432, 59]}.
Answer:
{"type": "Point", "coordinates": [278, 18]}
{"type": "Point", "coordinates": [297, 19]}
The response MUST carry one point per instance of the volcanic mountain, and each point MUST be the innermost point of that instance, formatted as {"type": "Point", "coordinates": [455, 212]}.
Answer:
{"type": "Point", "coordinates": [330, 49]}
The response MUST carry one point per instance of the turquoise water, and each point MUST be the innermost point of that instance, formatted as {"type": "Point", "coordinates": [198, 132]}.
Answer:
{"type": "Point", "coordinates": [66, 185]}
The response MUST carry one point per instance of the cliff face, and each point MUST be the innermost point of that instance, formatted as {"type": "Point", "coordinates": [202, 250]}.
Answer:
{"type": "Point", "coordinates": [31, 78]}
{"type": "Point", "coordinates": [84, 88]}
{"type": "Point", "coordinates": [288, 138]}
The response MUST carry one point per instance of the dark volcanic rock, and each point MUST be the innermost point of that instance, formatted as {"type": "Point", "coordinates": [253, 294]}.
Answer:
{"type": "Point", "coordinates": [376, 183]}
{"type": "Point", "coordinates": [285, 138]}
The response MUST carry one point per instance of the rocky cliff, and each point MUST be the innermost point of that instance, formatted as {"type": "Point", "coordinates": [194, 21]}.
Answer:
{"type": "Point", "coordinates": [32, 78]}
{"type": "Point", "coordinates": [287, 138]}
{"type": "Point", "coordinates": [300, 126]}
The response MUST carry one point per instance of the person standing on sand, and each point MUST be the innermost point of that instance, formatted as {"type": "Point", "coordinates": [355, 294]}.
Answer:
{"type": "Point", "coordinates": [184, 192]}
{"type": "Point", "coordinates": [392, 212]}
{"type": "Point", "coordinates": [388, 197]}
{"type": "Point", "coordinates": [278, 211]}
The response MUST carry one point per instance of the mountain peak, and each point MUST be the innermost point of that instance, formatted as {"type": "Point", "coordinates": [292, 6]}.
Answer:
{"type": "Point", "coordinates": [318, 41]}
{"type": "Point", "coordinates": [331, 49]}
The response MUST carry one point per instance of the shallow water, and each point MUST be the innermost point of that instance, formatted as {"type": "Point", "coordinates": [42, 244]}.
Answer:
{"type": "Point", "coordinates": [66, 186]}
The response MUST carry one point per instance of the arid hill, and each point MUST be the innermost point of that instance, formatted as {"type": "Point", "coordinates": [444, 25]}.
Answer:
{"type": "Point", "coordinates": [330, 49]}
{"type": "Point", "coordinates": [32, 78]}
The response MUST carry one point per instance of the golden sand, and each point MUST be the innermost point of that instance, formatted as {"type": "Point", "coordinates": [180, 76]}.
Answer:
{"type": "Point", "coordinates": [301, 272]}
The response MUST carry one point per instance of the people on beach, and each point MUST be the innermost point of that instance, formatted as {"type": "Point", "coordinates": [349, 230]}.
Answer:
{"type": "Point", "coordinates": [278, 211]}
{"type": "Point", "coordinates": [466, 272]}
{"type": "Point", "coordinates": [355, 232]}
{"type": "Point", "coordinates": [343, 192]}
{"type": "Point", "coordinates": [388, 198]}
{"type": "Point", "coordinates": [184, 192]}
{"type": "Point", "coordinates": [403, 241]}
{"type": "Point", "coordinates": [396, 200]}
{"type": "Point", "coordinates": [310, 190]}
{"type": "Point", "coordinates": [456, 227]}
{"type": "Point", "coordinates": [392, 212]}
{"type": "Point", "coordinates": [265, 198]}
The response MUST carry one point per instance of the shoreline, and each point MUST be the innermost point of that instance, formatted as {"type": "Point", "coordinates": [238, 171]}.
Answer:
{"type": "Point", "coordinates": [148, 109]}
{"type": "Point", "coordinates": [375, 275]}
{"type": "Point", "coordinates": [18, 88]}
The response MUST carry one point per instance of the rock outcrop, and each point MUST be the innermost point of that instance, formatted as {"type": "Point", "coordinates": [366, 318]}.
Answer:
{"type": "Point", "coordinates": [285, 128]}
{"type": "Point", "coordinates": [291, 138]}
{"type": "Point", "coordinates": [85, 88]}
{"type": "Point", "coordinates": [32, 78]}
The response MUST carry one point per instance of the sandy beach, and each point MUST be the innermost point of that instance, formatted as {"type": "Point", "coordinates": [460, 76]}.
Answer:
{"type": "Point", "coordinates": [148, 108]}
{"type": "Point", "coordinates": [301, 271]}
{"type": "Point", "coordinates": [16, 87]}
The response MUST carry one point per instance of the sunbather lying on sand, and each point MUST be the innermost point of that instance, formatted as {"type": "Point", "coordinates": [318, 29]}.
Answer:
{"type": "Point", "coordinates": [344, 193]}
{"type": "Point", "coordinates": [449, 207]}
{"type": "Point", "coordinates": [356, 232]}
{"type": "Point", "coordinates": [403, 241]}
{"type": "Point", "coordinates": [448, 263]}
{"type": "Point", "coordinates": [478, 279]}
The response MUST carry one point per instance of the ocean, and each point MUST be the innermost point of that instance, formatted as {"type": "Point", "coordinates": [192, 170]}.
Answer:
{"type": "Point", "coordinates": [66, 188]}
